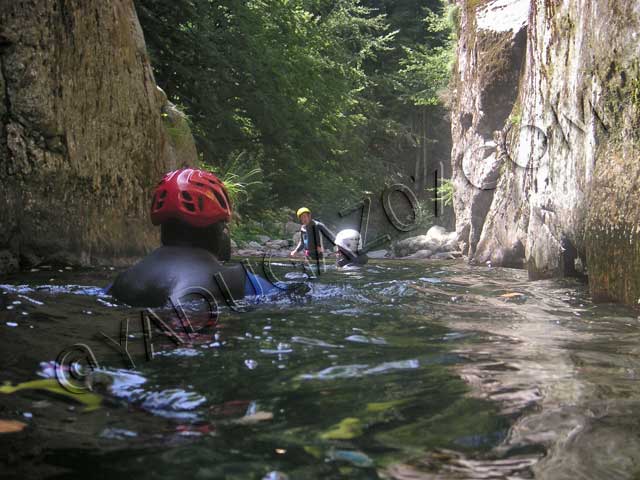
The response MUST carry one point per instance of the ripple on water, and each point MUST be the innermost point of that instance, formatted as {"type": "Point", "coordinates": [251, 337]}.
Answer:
{"type": "Point", "coordinates": [281, 348]}
{"type": "Point", "coordinates": [180, 352]}
{"type": "Point", "coordinates": [360, 370]}
{"type": "Point", "coordinates": [365, 339]}
{"type": "Point", "coordinates": [504, 383]}
{"type": "Point", "coordinates": [87, 290]}
{"type": "Point", "coordinates": [314, 342]}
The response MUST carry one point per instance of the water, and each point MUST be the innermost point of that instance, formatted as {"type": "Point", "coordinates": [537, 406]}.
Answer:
{"type": "Point", "coordinates": [398, 370]}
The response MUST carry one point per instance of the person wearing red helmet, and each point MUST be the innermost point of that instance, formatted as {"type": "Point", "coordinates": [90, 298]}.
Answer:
{"type": "Point", "coordinates": [192, 209]}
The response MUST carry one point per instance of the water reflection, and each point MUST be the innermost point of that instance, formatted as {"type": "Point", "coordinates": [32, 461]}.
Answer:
{"type": "Point", "coordinates": [400, 370]}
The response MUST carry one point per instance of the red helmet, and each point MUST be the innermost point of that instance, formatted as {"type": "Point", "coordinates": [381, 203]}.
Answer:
{"type": "Point", "coordinates": [195, 197]}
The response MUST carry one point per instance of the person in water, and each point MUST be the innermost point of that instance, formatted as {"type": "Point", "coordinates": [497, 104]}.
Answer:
{"type": "Point", "coordinates": [193, 210]}
{"type": "Point", "coordinates": [311, 233]}
{"type": "Point", "coordinates": [348, 245]}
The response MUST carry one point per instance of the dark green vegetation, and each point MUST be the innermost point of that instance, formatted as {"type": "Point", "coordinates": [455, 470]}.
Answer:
{"type": "Point", "coordinates": [320, 95]}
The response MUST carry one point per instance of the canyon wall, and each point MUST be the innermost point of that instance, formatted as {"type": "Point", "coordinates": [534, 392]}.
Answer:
{"type": "Point", "coordinates": [545, 139]}
{"type": "Point", "coordinates": [82, 138]}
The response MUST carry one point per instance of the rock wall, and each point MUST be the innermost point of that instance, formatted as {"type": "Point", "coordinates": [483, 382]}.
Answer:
{"type": "Point", "coordinates": [82, 139]}
{"type": "Point", "coordinates": [545, 133]}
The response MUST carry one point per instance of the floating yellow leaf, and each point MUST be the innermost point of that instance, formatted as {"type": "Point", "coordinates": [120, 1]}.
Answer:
{"type": "Point", "coordinates": [348, 428]}
{"type": "Point", "coordinates": [512, 295]}
{"type": "Point", "coordinates": [91, 401]}
{"type": "Point", "coordinates": [254, 418]}
{"type": "Point", "coordinates": [382, 406]}
{"type": "Point", "coordinates": [314, 451]}
{"type": "Point", "coordinates": [11, 426]}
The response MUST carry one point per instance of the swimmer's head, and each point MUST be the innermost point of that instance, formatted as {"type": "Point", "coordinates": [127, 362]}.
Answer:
{"type": "Point", "coordinates": [192, 208]}
{"type": "Point", "coordinates": [304, 215]}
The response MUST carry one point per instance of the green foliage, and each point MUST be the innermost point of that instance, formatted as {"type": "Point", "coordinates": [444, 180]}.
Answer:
{"type": "Point", "coordinates": [426, 68]}
{"type": "Point", "coordinates": [237, 177]}
{"type": "Point", "coordinates": [424, 215]}
{"type": "Point", "coordinates": [280, 80]}
{"type": "Point", "coordinates": [179, 131]}
{"type": "Point", "coordinates": [299, 101]}
{"type": "Point", "coordinates": [445, 191]}
{"type": "Point", "coordinates": [515, 118]}
{"type": "Point", "coordinates": [269, 223]}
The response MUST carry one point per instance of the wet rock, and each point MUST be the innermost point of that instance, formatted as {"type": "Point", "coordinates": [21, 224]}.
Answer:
{"type": "Point", "coordinates": [8, 262]}
{"type": "Point", "coordinates": [82, 131]}
{"type": "Point", "coordinates": [409, 246]}
{"type": "Point", "coordinates": [291, 227]}
{"type": "Point", "coordinates": [378, 254]}
{"type": "Point", "coordinates": [437, 239]}
{"type": "Point", "coordinates": [545, 133]}
{"type": "Point", "coordinates": [500, 256]}
{"type": "Point", "coordinates": [277, 244]}
{"type": "Point", "coordinates": [179, 133]}
{"type": "Point", "coordinates": [247, 252]}
{"type": "Point", "coordinates": [446, 241]}
{"type": "Point", "coordinates": [263, 238]}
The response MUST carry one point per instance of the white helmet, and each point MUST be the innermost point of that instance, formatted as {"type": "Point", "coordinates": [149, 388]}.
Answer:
{"type": "Point", "coordinates": [349, 239]}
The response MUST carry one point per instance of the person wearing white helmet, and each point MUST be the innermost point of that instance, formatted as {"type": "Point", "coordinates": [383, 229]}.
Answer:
{"type": "Point", "coordinates": [347, 245]}
{"type": "Point", "coordinates": [311, 233]}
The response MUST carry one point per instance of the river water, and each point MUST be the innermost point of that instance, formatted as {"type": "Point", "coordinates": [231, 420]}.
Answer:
{"type": "Point", "coordinates": [403, 370]}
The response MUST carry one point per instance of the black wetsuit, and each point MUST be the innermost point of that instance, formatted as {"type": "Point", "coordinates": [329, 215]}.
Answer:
{"type": "Point", "coordinates": [171, 271]}
{"type": "Point", "coordinates": [344, 260]}
{"type": "Point", "coordinates": [311, 238]}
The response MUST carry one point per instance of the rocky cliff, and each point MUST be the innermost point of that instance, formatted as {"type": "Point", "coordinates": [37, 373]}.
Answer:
{"type": "Point", "coordinates": [545, 134]}
{"type": "Point", "coordinates": [82, 137]}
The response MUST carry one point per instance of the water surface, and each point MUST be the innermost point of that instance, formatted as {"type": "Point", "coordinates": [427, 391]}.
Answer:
{"type": "Point", "coordinates": [397, 370]}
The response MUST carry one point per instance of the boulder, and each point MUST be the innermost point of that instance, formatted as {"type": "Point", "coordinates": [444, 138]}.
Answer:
{"type": "Point", "coordinates": [437, 239]}
{"type": "Point", "coordinates": [249, 252]}
{"type": "Point", "coordinates": [8, 262]}
{"type": "Point", "coordinates": [290, 228]}
{"type": "Point", "coordinates": [277, 244]}
{"type": "Point", "coordinates": [263, 238]}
